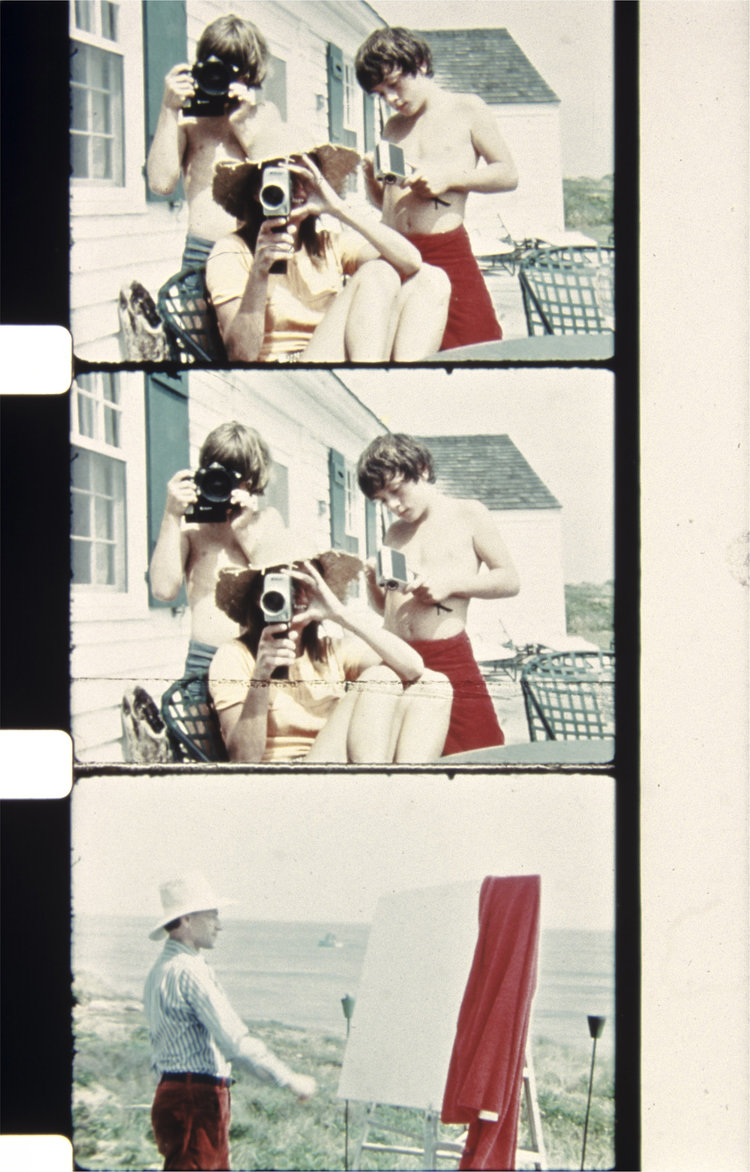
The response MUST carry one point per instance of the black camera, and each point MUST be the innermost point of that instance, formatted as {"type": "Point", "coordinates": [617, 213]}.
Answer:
{"type": "Point", "coordinates": [212, 78]}
{"type": "Point", "coordinates": [277, 597]}
{"type": "Point", "coordinates": [390, 165]}
{"type": "Point", "coordinates": [215, 485]}
{"type": "Point", "coordinates": [391, 571]}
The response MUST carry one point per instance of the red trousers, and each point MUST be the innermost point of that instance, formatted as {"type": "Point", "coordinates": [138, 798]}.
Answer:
{"type": "Point", "coordinates": [471, 314]}
{"type": "Point", "coordinates": [191, 1125]}
{"type": "Point", "coordinates": [473, 723]}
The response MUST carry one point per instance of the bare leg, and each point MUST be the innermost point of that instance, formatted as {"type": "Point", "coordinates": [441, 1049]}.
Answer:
{"type": "Point", "coordinates": [422, 314]}
{"type": "Point", "coordinates": [426, 709]}
{"type": "Point", "coordinates": [363, 725]}
{"type": "Point", "coordinates": [360, 324]}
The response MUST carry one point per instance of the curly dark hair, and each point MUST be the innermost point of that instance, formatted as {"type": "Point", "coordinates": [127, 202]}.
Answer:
{"type": "Point", "coordinates": [394, 454]}
{"type": "Point", "coordinates": [388, 49]}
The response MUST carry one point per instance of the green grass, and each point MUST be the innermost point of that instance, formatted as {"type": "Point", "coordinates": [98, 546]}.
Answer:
{"type": "Point", "coordinates": [589, 206]}
{"type": "Point", "coordinates": [114, 1086]}
{"type": "Point", "coordinates": [590, 612]}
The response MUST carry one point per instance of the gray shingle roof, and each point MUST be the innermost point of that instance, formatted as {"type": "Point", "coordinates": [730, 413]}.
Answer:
{"type": "Point", "coordinates": [487, 62]}
{"type": "Point", "coordinates": [488, 468]}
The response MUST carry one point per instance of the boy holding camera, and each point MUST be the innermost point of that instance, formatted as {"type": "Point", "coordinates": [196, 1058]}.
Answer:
{"type": "Point", "coordinates": [212, 520]}
{"type": "Point", "coordinates": [445, 542]}
{"type": "Point", "coordinates": [443, 136]}
{"type": "Point", "coordinates": [208, 113]}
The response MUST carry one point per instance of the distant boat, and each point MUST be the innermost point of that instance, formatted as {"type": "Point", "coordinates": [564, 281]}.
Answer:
{"type": "Point", "coordinates": [330, 940]}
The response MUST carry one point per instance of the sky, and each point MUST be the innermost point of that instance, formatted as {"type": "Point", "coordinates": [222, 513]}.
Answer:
{"type": "Point", "coordinates": [562, 421]}
{"type": "Point", "coordinates": [326, 847]}
{"type": "Point", "coordinates": [571, 44]}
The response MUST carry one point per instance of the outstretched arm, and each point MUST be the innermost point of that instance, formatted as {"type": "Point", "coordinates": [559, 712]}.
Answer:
{"type": "Point", "coordinates": [172, 549]}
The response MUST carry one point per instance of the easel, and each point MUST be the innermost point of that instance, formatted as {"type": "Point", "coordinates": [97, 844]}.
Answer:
{"type": "Point", "coordinates": [434, 1148]}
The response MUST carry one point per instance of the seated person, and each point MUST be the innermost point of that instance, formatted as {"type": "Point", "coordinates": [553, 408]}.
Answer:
{"type": "Point", "coordinates": [392, 306]}
{"type": "Point", "coordinates": [443, 136]}
{"type": "Point", "coordinates": [445, 543]}
{"type": "Point", "coordinates": [195, 552]}
{"type": "Point", "coordinates": [393, 709]}
{"type": "Point", "coordinates": [189, 147]}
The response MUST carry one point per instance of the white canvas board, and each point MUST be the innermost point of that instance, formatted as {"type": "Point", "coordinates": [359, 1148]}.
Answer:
{"type": "Point", "coordinates": [417, 963]}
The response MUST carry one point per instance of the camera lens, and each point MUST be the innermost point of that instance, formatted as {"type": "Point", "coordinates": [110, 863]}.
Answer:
{"type": "Point", "coordinates": [214, 77]}
{"type": "Point", "coordinates": [273, 196]}
{"type": "Point", "coordinates": [273, 602]}
{"type": "Point", "coordinates": [216, 486]}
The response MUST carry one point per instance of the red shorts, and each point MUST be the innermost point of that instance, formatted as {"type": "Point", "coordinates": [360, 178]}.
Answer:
{"type": "Point", "coordinates": [471, 314]}
{"type": "Point", "coordinates": [191, 1125]}
{"type": "Point", "coordinates": [473, 723]}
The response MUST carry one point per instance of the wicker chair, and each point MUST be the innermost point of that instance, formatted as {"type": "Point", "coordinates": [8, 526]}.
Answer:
{"type": "Point", "coordinates": [569, 695]}
{"type": "Point", "coordinates": [192, 722]}
{"type": "Point", "coordinates": [189, 318]}
{"type": "Point", "coordinates": [568, 290]}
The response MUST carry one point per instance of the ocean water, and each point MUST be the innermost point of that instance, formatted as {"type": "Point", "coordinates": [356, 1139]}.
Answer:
{"type": "Point", "coordinates": [279, 972]}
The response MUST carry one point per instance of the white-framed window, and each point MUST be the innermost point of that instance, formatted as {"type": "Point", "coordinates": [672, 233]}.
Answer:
{"type": "Point", "coordinates": [98, 486]}
{"type": "Point", "coordinates": [106, 106]}
{"type": "Point", "coordinates": [108, 496]}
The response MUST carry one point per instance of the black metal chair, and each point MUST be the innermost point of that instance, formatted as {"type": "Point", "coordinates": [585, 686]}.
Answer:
{"type": "Point", "coordinates": [570, 696]}
{"type": "Point", "coordinates": [189, 318]}
{"type": "Point", "coordinates": [192, 722]}
{"type": "Point", "coordinates": [568, 290]}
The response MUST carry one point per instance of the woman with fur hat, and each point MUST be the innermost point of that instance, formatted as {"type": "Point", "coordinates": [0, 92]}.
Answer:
{"type": "Point", "coordinates": [365, 697]}
{"type": "Point", "coordinates": [392, 306]}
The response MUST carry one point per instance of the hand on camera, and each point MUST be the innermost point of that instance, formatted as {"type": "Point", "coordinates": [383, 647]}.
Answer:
{"type": "Point", "coordinates": [274, 652]}
{"type": "Point", "coordinates": [431, 590]}
{"type": "Point", "coordinates": [181, 493]}
{"type": "Point", "coordinates": [179, 87]}
{"type": "Point", "coordinates": [242, 508]}
{"type": "Point", "coordinates": [429, 182]}
{"type": "Point", "coordinates": [319, 195]}
{"type": "Point", "coordinates": [321, 602]}
{"type": "Point", "coordinates": [276, 241]}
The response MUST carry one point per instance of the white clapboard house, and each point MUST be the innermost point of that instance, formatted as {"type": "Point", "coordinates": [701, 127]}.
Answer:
{"type": "Point", "coordinates": [130, 433]}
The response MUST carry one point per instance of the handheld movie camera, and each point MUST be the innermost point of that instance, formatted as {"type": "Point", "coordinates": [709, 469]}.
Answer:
{"type": "Point", "coordinates": [391, 569]}
{"type": "Point", "coordinates": [390, 165]}
{"type": "Point", "coordinates": [215, 485]}
{"type": "Point", "coordinates": [212, 78]}
{"type": "Point", "coordinates": [277, 597]}
{"type": "Point", "coordinates": [276, 199]}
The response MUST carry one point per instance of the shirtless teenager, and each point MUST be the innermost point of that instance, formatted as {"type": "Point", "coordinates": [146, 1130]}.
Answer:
{"type": "Point", "coordinates": [198, 551]}
{"type": "Point", "coordinates": [445, 542]}
{"type": "Point", "coordinates": [443, 137]}
{"type": "Point", "coordinates": [192, 146]}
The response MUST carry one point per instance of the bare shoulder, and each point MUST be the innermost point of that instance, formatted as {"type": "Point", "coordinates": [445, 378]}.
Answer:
{"type": "Point", "coordinates": [471, 512]}
{"type": "Point", "coordinates": [397, 533]}
{"type": "Point", "coordinates": [395, 128]}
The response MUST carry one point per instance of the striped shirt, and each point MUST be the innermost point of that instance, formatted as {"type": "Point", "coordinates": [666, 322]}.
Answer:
{"type": "Point", "coordinates": [192, 1026]}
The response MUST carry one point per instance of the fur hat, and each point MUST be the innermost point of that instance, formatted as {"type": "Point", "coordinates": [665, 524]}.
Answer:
{"type": "Point", "coordinates": [283, 548]}
{"type": "Point", "coordinates": [231, 178]}
{"type": "Point", "coordinates": [183, 896]}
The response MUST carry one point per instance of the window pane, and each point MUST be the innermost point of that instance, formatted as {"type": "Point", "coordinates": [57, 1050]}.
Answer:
{"type": "Point", "coordinates": [109, 20]}
{"type": "Point", "coordinates": [102, 468]}
{"type": "Point", "coordinates": [101, 113]}
{"type": "Point", "coordinates": [81, 468]}
{"type": "Point", "coordinates": [102, 158]}
{"type": "Point", "coordinates": [104, 519]}
{"type": "Point", "coordinates": [78, 110]}
{"type": "Point", "coordinates": [85, 15]}
{"type": "Point", "coordinates": [97, 111]}
{"type": "Point", "coordinates": [81, 563]}
{"type": "Point", "coordinates": [105, 565]}
{"type": "Point", "coordinates": [79, 156]}
{"type": "Point", "coordinates": [81, 518]}
{"type": "Point", "coordinates": [111, 427]}
{"type": "Point", "coordinates": [78, 63]}
{"type": "Point", "coordinates": [86, 416]}
{"type": "Point", "coordinates": [110, 387]}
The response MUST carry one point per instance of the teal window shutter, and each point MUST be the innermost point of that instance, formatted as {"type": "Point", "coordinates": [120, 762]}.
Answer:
{"type": "Point", "coordinates": [369, 109]}
{"type": "Point", "coordinates": [167, 450]}
{"type": "Point", "coordinates": [164, 45]}
{"type": "Point", "coordinates": [337, 484]}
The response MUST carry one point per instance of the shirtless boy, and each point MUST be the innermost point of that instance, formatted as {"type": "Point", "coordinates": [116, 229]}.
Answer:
{"type": "Point", "coordinates": [445, 542]}
{"type": "Point", "coordinates": [198, 551]}
{"type": "Point", "coordinates": [443, 137]}
{"type": "Point", "coordinates": [192, 146]}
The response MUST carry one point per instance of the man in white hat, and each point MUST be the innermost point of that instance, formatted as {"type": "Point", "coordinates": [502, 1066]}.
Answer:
{"type": "Point", "coordinates": [196, 1035]}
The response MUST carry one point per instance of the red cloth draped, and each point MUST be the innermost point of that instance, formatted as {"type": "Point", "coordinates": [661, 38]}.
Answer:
{"type": "Point", "coordinates": [486, 1067]}
{"type": "Point", "coordinates": [471, 314]}
{"type": "Point", "coordinates": [473, 723]}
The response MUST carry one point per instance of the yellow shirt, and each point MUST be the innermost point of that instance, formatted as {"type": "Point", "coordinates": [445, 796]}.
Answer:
{"type": "Point", "coordinates": [297, 299]}
{"type": "Point", "coordinates": [298, 707]}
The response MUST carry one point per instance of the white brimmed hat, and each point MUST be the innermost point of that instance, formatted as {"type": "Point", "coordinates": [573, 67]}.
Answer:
{"type": "Point", "coordinates": [184, 895]}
